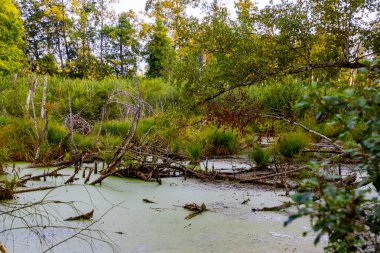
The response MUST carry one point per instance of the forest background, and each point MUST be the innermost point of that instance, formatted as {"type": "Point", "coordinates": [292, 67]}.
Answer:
{"type": "Point", "coordinates": [215, 84]}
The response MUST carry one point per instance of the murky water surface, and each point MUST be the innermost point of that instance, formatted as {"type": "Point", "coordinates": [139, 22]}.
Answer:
{"type": "Point", "coordinates": [135, 226]}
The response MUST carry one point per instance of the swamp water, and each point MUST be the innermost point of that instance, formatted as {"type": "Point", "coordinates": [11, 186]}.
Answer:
{"type": "Point", "coordinates": [135, 226]}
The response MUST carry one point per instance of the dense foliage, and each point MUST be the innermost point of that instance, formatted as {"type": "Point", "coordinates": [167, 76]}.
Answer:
{"type": "Point", "coordinates": [349, 215]}
{"type": "Point", "coordinates": [11, 38]}
{"type": "Point", "coordinates": [214, 84]}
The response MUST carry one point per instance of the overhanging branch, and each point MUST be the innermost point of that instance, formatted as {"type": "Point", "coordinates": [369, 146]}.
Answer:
{"type": "Point", "coordinates": [268, 76]}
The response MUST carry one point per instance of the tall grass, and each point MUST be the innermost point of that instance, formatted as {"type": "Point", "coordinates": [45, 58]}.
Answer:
{"type": "Point", "coordinates": [194, 150]}
{"type": "Point", "coordinates": [116, 128]}
{"type": "Point", "coordinates": [260, 156]}
{"type": "Point", "coordinates": [18, 139]}
{"type": "Point", "coordinates": [291, 144]}
{"type": "Point", "coordinates": [222, 142]}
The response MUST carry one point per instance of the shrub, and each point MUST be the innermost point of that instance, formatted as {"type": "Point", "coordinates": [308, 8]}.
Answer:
{"type": "Point", "coordinates": [291, 144]}
{"type": "Point", "coordinates": [260, 156]}
{"type": "Point", "coordinates": [278, 97]}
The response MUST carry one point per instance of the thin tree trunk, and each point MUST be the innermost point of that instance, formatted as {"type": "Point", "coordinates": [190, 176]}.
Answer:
{"type": "Point", "coordinates": [44, 94]}
{"type": "Point", "coordinates": [32, 88]}
{"type": "Point", "coordinates": [111, 167]}
{"type": "Point", "coordinates": [59, 50]}
{"type": "Point", "coordinates": [44, 117]}
{"type": "Point", "coordinates": [71, 125]}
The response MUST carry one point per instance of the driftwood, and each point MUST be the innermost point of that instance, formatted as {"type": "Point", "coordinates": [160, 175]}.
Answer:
{"type": "Point", "coordinates": [142, 176]}
{"type": "Point", "coordinates": [86, 158]}
{"type": "Point", "coordinates": [3, 249]}
{"type": "Point", "coordinates": [121, 150]}
{"type": "Point", "coordinates": [42, 188]}
{"type": "Point", "coordinates": [252, 180]}
{"type": "Point", "coordinates": [6, 193]}
{"type": "Point", "coordinates": [245, 201]}
{"type": "Point", "coordinates": [321, 151]}
{"type": "Point", "coordinates": [85, 216]}
{"type": "Point", "coordinates": [196, 210]}
{"type": "Point", "coordinates": [274, 208]}
{"type": "Point", "coordinates": [148, 201]}
{"type": "Point", "coordinates": [89, 175]}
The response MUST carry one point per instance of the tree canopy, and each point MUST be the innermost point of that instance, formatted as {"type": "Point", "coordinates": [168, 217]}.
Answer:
{"type": "Point", "coordinates": [11, 38]}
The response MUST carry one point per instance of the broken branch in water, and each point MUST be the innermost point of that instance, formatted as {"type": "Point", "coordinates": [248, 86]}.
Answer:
{"type": "Point", "coordinates": [149, 201]}
{"type": "Point", "coordinates": [85, 216]}
{"type": "Point", "coordinates": [122, 149]}
{"type": "Point", "coordinates": [251, 180]}
{"type": "Point", "coordinates": [245, 201]}
{"type": "Point", "coordinates": [3, 249]}
{"type": "Point", "coordinates": [42, 188]}
{"type": "Point", "coordinates": [196, 210]}
{"type": "Point", "coordinates": [274, 208]}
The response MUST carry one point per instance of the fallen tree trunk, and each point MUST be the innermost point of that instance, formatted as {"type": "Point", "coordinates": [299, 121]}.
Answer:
{"type": "Point", "coordinates": [252, 180]}
{"type": "Point", "coordinates": [42, 188]}
{"type": "Point", "coordinates": [111, 167]}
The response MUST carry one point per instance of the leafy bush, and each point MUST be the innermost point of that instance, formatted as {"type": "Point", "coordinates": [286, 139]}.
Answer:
{"type": "Point", "coordinates": [291, 144]}
{"type": "Point", "coordinates": [157, 92]}
{"type": "Point", "coordinates": [350, 213]}
{"type": "Point", "coordinates": [278, 97]}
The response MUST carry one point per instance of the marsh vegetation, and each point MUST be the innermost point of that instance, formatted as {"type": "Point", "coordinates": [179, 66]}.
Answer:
{"type": "Point", "coordinates": [268, 97]}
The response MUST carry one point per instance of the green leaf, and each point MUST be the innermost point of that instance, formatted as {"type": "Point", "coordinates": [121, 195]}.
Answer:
{"type": "Point", "coordinates": [300, 198]}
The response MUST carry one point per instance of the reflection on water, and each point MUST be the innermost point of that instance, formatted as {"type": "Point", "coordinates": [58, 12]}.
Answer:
{"type": "Point", "coordinates": [229, 226]}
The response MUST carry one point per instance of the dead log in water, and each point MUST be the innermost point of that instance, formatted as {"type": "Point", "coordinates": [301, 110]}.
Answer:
{"type": "Point", "coordinates": [281, 207]}
{"type": "Point", "coordinates": [6, 193]}
{"type": "Point", "coordinates": [284, 173]}
{"type": "Point", "coordinates": [85, 216]}
{"type": "Point", "coordinates": [3, 249]}
{"type": "Point", "coordinates": [42, 188]}
{"type": "Point", "coordinates": [196, 210]}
